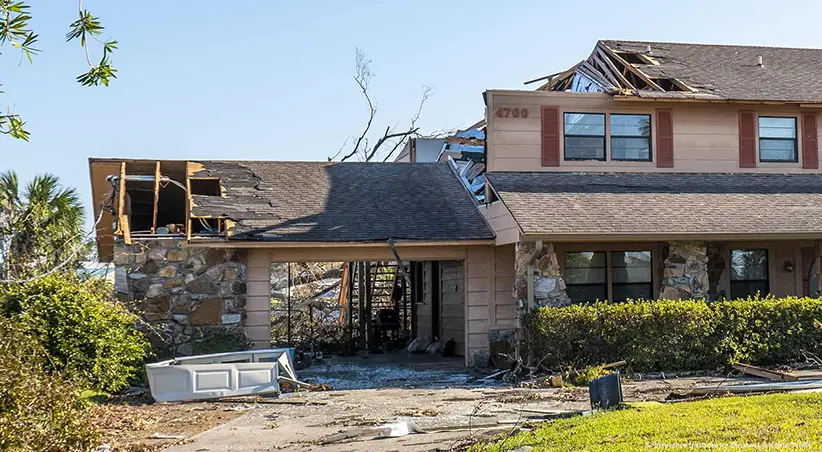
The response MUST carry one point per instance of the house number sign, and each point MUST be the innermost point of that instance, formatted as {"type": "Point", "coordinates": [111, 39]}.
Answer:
{"type": "Point", "coordinates": [511, 113]}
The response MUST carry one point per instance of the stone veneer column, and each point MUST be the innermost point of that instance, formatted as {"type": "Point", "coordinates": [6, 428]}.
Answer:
{"type": "Point", "coordinates": [549, 286]}
{"type": "Point", "coordinates": [685, 272]}
{"type": "Point", "coordinates": [183, 291]}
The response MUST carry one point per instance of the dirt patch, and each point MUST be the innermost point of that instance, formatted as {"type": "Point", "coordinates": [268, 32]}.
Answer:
{"type": "Point", "coordinates": [136, 424]}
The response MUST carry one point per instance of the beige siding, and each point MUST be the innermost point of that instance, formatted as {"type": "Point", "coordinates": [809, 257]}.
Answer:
{"type": "Point", "coordinates": [479, 296]}
{"type": "Point", "coordinates": [505, 305]}
{"type": "Point", "coordinates": [706, 136]}
{"type": "Point", "coordinates": [452, 304]}
{"type": "Point", "coordinates": [501, 221]}
{"type": "Point", "coordinates": [258, 301]}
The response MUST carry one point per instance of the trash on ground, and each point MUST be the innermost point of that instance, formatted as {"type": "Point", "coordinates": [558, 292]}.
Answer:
{"type": "Point", "coordinates": [220, 375]}
{"type": "Point", "coordinates": [774, 375]}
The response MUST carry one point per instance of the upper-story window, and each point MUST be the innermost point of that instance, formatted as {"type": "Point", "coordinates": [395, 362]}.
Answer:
{"type": "Point", "coordinates": [630, 137]}
{"type": "Point", "coordinates": [584, 136]}
{"type": "Point", "coordinates": [777, 139]}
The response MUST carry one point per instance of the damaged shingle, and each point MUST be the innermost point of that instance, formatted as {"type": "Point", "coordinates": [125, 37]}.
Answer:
{"type": "Point", "coordinates": [340, 202]}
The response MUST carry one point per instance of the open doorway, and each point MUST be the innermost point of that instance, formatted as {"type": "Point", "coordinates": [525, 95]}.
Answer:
{"type": "Point", "coordinates": [345, 308]}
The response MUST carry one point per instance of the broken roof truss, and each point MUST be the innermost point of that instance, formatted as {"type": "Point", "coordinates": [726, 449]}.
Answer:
{"type": "Point", "coordinates": [613, 71]}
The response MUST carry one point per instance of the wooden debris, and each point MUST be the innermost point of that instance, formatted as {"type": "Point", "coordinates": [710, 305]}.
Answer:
{"type": "Point", "coordinates": [614, 365]}
{"type": "Point", "coordinates": [773, 375]}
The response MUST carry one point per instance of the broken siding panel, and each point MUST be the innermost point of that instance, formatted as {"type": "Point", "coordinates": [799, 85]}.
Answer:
{"type": "Point", "coordinates": [501, 222]}
{"type": "Point", "coordinates": [706, 136]}
{"type": "Point", "coordinates": [452, 304]}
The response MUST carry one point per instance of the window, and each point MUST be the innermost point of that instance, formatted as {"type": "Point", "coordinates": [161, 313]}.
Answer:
{"type": "Point", "coordinates": [586, 275]}
{"type": "Point", "coordinates": [584, 136]}
{"type": "Point", "coordinates": [749, 273]}
{"type": "Point", "coordinates": [631, 137]}
{"type": "Point", "coordinates": [777, 139]}
{"type": "Point", "coordinates": [631, 272]}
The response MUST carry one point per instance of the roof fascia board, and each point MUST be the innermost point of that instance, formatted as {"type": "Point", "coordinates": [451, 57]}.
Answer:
{"type": "Point", "coordinates": [399, 244]}
{"type": "Point", "coordinates": [662, 237]}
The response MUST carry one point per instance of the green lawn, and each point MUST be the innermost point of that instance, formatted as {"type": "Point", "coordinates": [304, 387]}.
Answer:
{"type": "Point", "coordinates": [764, 422]}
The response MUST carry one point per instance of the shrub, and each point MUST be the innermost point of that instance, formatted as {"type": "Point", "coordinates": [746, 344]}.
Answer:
{"type": "Point", "coordinates": [84, 333]}
{"type": "Point", "coordinates": [677, 335]}
{"type": "Point", "coordinates": [39, 411]}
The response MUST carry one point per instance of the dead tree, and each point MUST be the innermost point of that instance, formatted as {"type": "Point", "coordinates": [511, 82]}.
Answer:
{"type": "Point", "coordinates": [392, 139]}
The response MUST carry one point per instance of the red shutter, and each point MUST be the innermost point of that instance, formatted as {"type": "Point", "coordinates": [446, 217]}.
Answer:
{"type": "Point", "coordinates": [810, 147]}
{"type": "Point", "coordinates": [550, 136]}
{"type": "Point", "coordinates": [747, 139]}
{"type": "Point", "coordinates": [664, 138]}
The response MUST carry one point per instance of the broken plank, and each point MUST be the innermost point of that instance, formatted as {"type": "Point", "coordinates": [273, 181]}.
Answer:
{"type": "Point", "coordinates": [773, 375]}
{"type": "Point", "coordinates": [156, 197]}
{"type": "Point", "coordinates": [613, 365]}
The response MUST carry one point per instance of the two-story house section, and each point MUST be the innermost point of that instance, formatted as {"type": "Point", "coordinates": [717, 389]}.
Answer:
{"type": "Point", "coordinates": [660, 170]}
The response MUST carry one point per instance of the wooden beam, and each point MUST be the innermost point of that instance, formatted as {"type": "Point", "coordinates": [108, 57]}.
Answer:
{"type": "Point", "coordinates": [604, 57]}
{"type": "Point", "coordinates": [156, 197]}
{"type": "Point", "coordinates": [774, 375]}
{"type": "Point", "coordinates": [123, 226]}
{"type": "Point", "coordinates": [595, 61]}
{"type": "Point", "coordinates": [188, 202]}
{"type": "Point", "coordinates": [630, 67]}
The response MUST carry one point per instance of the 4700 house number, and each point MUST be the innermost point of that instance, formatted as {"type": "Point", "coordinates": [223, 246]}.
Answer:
{"type": "Point", "coordinates": [511, 113]}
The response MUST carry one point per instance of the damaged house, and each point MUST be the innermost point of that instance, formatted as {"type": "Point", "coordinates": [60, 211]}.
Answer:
{"type": "Point", "coordinates": [648, 170]}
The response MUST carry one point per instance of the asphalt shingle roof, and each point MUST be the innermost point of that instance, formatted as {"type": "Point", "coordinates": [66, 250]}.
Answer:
{"type": "Point", "coordinates": [661, 203]}
{"type": "Point", "coordinates": [341, 202]}
{"type": "Point", "coordinates": [731, 72]}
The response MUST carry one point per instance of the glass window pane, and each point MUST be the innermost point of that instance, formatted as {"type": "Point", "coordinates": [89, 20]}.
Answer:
{"type": "Point", "coordinates": [581, 294]}
{"type": "Point", "coordinates": [630, 148]}
{"type": "Point", "coordinates": [745, 289]}
{"type": "Point", "coordinates": [777, 127]}
{"type": "Point", "coordinates": [586, 276]}
{"type": "Point", "coordinates": [770, 149]}
{"type": "Point", "coordinates": [631, 267]}
{"type": "Point", "coordinates": [585, 148]}
{"type": "Point", "coordinates": [749, 265]}
{"type": "Point", "coordinates": [639, 291]}
{"type": "Point", "coordinates": [631, 125]}
{"type": "Point", "coordinates": [585, 259]}
{"type": "Point", "coordinates": [585, 124]}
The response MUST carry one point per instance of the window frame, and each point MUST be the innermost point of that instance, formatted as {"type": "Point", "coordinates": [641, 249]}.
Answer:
{"type": "Point", "coordinates": [608, 250]}
{"type": "Point", "coordinates": [604, 137]}
{"type": "Point", "coordinates": [606, 283]}
{"type": "Point", "coordinates": [611, 137]}
{"type": "Point", "coordinates": [795, 139]}
{"type": "Point", "coordinates": [731, 279]}
{"type": "Point", "coordinates": [611, 279]}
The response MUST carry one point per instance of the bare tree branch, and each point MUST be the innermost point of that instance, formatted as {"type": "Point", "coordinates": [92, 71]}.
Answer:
{"type": "Point", "coordinates": [363, 76]}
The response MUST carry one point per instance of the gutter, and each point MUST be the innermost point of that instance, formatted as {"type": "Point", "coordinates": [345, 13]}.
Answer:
{"type": "Point", "coordinates": [662, 236]}
{"type": "Point", "coordinates": [404, 243]}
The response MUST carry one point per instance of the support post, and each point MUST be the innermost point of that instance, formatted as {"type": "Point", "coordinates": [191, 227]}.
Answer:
{"type": "Point", "coordinates": [156, 197]}
{"type": "Point", "coordinates": [288, 307]}
{"type": "Point", "coordinates": [361, 302]}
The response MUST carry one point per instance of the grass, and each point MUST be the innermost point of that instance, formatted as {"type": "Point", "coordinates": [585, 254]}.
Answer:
{"type": "Point", "coordinates": [763, 422]}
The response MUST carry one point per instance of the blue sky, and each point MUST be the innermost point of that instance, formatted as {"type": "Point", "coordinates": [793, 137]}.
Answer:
{"type": "Point", "coordinates": [272, 79]}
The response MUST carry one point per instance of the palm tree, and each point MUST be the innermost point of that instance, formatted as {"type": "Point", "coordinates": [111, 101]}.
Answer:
{"type": "Point", "coordinates": [40, 226]}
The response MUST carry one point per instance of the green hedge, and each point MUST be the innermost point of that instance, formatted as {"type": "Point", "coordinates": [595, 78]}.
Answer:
{"type": "Point", "coordinates": [39, 410]}
{"type": "Point", "coordinates": [86, 335]}
{"type": "Point", "coordinates": [668, 335]}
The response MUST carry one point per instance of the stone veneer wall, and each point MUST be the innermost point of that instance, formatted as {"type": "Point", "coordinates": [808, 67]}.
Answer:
{"type": "Point", "coordinates": [685, 271]}
{"type": "Point", "coordinates": [183, 292]}
{"type": "Point", "coordinates": [549, 286]}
